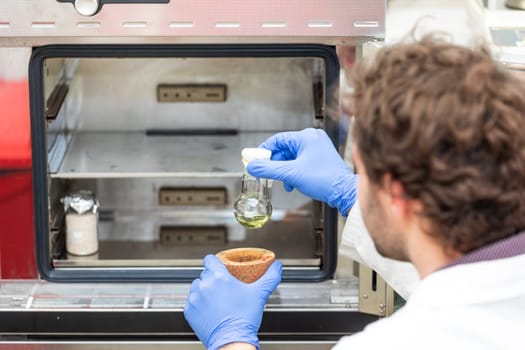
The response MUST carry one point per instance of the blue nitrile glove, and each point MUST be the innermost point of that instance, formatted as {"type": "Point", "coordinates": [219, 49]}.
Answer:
{"type": "Point", "coordinates": [222, 310]}
{"type": "Point", "coordinates": [308, 161]}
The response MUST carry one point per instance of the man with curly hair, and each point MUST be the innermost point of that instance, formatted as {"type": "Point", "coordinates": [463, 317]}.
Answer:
{"type": "Point", "coordinates": [439, 148]}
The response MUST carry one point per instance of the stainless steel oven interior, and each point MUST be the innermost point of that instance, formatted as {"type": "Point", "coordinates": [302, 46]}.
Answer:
{"type": "Point", "coordinates": [156, 133]}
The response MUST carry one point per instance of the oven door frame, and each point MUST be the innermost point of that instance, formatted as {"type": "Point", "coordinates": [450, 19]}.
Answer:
{"type": "Point", "coordinates": [161, 274]}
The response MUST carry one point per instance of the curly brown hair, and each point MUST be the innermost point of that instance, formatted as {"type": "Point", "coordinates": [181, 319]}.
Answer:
{"type": "Point", "coordinates": [447, 122]}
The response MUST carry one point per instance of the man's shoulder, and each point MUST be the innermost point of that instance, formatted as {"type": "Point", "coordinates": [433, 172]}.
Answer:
{"type": "Point", "coordinates": [467, 326]}
{"type": "Point", "coordinates": [384, 333]}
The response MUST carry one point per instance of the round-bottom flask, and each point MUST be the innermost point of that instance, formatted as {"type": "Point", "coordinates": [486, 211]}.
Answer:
{"type": "Point", "coordinates": [253, 208]}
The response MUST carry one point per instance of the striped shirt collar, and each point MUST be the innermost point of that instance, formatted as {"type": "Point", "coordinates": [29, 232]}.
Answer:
{"type": "Point", "coordinates": [504, 248]}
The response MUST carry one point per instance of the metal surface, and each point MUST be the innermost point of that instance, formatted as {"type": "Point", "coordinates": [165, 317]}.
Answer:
{"type": "Point", "coordinates": [152, 345]}
{"type": "Point", "coordinates": [30, 23]}
{"type": "Point", "coordinates": [375, 296]}
{"type": "Point", "coordinates": [191, 93]}
{"type": "Point", "coordinates": [137, 243]}
{"type": "Point", "coordinates": [263, 93]}
{"type": "Point", "coordinates": [83, 262]}
{"type": "Point", "coordinates": [305, 311]}
{"type": "Point", "coordinates": [281, 99]}
{"type": "Point", "coordinates": [40, 295]}
{"type": "Point", "coordinates": [515, 4]}
{"type": "Point", "coordinates": [134, 154]}
{"type": "Point", "coordinates": [171, 196]}
{"type": "Point", "coordinates": [131, 219]}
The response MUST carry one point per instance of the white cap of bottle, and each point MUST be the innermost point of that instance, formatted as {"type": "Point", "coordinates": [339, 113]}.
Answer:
{"type": "Point", "coordinates": [249, 154]}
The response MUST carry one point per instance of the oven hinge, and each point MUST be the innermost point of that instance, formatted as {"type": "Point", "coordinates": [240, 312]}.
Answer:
{"type": "Point", "coordinates": [375, 296]}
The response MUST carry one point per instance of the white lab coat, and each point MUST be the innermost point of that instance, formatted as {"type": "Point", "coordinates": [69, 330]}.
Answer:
{"type": "Point", "coordinates": [470, 306]}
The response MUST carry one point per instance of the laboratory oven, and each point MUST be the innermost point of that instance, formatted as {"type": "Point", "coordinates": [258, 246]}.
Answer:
{"type": "Point", "coordinates": [139, 111]}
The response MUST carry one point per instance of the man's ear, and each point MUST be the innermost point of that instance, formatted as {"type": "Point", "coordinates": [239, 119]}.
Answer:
{"type": "Point", "coordinates": [394, 196]}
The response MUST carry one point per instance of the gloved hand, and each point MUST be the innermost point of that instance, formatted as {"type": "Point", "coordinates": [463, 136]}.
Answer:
{"type": "Point", "coordinates": [222, 310]}
{"type": "Point", "coordinates": [308, 161]}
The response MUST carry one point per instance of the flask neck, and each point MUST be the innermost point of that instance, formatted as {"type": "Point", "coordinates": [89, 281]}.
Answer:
{"type": "Point", "coordinates": [253, 185]}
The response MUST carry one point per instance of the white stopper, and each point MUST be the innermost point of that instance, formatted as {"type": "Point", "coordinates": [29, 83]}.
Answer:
{"type": "Point", "coordinates": [249, 154]}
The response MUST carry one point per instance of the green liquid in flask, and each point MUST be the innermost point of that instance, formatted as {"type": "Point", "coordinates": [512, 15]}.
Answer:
{"type": "Point", "coordinates": [252, 208]}
{"type": "Point", "coordinates": [252, 221]}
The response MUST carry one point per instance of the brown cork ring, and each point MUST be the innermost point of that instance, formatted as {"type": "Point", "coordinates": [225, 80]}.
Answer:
{"type": "Point", "coordinates": [247, 264]}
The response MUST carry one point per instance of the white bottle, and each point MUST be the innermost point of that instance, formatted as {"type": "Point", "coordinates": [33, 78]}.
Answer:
{"type": "Point", "coordinates": [81, 223]}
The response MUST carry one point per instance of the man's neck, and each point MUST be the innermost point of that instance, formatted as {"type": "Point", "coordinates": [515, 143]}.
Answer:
{"type": "Point", "coordinates": [427, 254]}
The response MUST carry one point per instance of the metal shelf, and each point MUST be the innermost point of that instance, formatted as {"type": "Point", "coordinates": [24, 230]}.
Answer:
{"type": "Point", "coordinates": [135, 154]}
